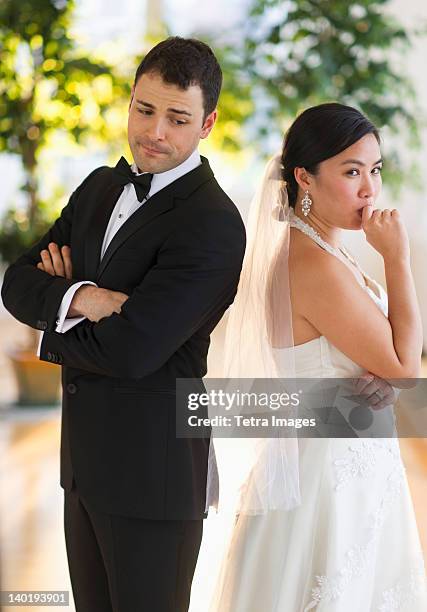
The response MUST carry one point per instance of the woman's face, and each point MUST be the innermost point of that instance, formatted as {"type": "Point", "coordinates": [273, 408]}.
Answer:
{"type": "Point", "coordinates": [346, 183]}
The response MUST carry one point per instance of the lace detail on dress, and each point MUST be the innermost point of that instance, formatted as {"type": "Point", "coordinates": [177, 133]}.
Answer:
{"type": "Point", "coordinates": [359, 557]}
{"type": "Point", "coordinates": [361, 460]}
{"type": "Point", "coordinates": [305, 228]}
{"type": "Point", "coordinates": [404, 592]}
{"type": "Point", "coordinates": [330, 589]}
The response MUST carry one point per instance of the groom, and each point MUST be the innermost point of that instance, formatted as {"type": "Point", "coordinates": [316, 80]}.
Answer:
{"type": "Point", "coordinates": [127, 286]}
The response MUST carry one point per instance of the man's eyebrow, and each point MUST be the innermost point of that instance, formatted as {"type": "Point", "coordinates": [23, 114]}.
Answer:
{"type": "Point", "coordinates": [145, 103]}
{"type": "Point", "coordinates": [180, 112]}
{"type": "Point", "coordinates": [172, 110]}
{"type": "Point", "coordinates": [359, 163]}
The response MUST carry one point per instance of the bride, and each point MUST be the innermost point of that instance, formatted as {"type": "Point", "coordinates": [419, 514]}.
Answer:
{"type": "Point", "coordinates": [340, 534]}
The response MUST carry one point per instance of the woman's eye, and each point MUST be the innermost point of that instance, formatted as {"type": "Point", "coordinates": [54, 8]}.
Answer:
{"type": "Point", "coordinates": [144, 112]}
{"type": "Point", "coordinates": [355, 171]}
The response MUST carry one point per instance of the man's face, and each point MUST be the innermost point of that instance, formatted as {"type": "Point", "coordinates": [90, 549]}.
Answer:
{"type": "Point", "coordinates": [165, 123]}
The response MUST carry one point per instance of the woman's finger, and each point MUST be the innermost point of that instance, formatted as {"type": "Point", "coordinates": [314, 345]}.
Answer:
{"type": "Point", "coordinates": [370, 388]}
{"type": "Point", "coordinates": [377, 401]}
{"type": "Point", "coordinates": [361, 383]}
{"type": "Point", "coordinates": [385, 388]}
{"type": "Point", "coordinates": [367, 212]}
{"type": "Point", "coordinates": [376, 214]}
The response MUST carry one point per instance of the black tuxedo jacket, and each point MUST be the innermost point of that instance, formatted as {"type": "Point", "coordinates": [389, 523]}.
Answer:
{"type": "Point", "coordinates": [178, 257]}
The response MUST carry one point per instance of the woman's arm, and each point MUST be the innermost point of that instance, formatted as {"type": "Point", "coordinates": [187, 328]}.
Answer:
{"type": "Point", "coordinates": [332, 300]}
{"type": "Point", "coordinates": [403, 313]}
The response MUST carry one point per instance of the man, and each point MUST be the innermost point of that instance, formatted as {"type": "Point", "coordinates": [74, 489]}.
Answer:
{"type": "Point", "coordinates": [161, 246]}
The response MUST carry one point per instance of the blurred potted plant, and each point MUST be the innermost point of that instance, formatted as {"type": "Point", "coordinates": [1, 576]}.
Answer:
{"type": "Point", "coordinates": [47, 86]}
{"type": "Point", "coordinates": [37, 384]}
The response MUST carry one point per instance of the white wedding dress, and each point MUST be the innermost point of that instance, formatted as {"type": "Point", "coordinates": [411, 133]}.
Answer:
{"type": "Point", "coordinates": [352, 545]}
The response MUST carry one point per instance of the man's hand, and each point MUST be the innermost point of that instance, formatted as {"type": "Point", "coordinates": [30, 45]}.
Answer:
{"type": "Point", "coordinates": [56, 261]}
{"type": "Point", "coordinates": [95, 303]}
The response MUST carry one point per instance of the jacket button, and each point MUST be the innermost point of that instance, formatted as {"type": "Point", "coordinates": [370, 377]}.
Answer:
{"type": "Point", "coordinates": [71, 388]}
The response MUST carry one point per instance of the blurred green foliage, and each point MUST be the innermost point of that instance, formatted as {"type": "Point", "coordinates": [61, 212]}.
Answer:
{"type": "Point", "coordinates": [17, 234]}
{"type": "Point", "coordinates": [47, 84]}
{"type": "Point", "coordinates": [236, 102]}
{"type": "Point", "coordinates": [291, 54]}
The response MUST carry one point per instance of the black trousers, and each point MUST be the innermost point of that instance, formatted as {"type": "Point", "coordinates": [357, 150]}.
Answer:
{"type": "Point", "coordinates": [124, 564]}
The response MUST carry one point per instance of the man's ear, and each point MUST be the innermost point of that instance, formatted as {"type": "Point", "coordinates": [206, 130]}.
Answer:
{"type": "Point", "coordinates": [132, 93]}
{"type": "Point", "coordinates": [208, 124]}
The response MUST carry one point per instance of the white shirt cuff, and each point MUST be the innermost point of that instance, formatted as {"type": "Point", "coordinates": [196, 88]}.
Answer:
{"type": "Point", "coordinates": [40, 343]}
{"type": "Point", "coordinates": [63, 324]}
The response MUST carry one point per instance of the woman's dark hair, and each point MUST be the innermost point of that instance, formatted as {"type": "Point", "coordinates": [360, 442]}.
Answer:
{"type": "Point", "coordinates": [185, 62]}
{"type": "Point", "coordinates": [320, 132]}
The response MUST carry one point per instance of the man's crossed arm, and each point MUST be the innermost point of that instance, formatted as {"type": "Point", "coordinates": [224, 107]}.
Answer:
{"type": "Point", "coordinates": [89, 301]}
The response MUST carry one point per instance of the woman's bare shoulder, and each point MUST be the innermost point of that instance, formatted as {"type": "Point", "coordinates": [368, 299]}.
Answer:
{"type": "Point", "coordinates": [310, 264]}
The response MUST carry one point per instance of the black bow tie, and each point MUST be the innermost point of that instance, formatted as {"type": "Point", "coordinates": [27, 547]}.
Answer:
{"type": "Point", "coordinates": [123, 175]}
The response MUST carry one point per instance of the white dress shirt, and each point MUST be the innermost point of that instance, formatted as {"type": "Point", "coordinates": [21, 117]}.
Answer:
{"type": "Point", "coordinates": [125, 206]}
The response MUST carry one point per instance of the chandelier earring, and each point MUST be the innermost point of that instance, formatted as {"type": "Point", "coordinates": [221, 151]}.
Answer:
{"type": "Point", "coordinates": [306, 203]}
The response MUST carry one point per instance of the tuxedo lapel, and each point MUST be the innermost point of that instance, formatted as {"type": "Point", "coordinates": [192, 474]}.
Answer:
{"type": "Point", "coordinates": [97, 228]}
{"type": "Point", "coordinates": [158, 204]}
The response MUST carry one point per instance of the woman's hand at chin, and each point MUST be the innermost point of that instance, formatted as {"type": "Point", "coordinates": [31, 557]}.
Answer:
{"type": "Point", "coordinates": [386, 232]}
